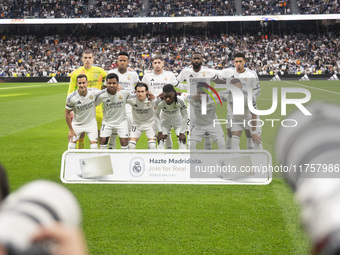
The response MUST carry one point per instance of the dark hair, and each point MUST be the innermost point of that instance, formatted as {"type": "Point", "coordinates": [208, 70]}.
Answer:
{"type": "Point", "coordinates": [240, 55]}
{"type": "Point", "coordinates": [141, 85]}
{"type": "Point", "coordinates": [158, 56]}
{"type": "Point", "coordinates": [4, 186]}
{"type": "Point", "coordinates": [235, 81]}
{"type": "Point", "coordinates": [112, 76]}
{"type": "Point", "coordinates": [168, 88]}
{"type": "Point", "coordinates": [81, 76]}
{"type": "Point", "coordinates": [123, 53]}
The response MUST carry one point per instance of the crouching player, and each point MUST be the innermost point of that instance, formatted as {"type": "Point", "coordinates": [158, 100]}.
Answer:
{"type": "Point", "coordinates": [82, 103]}
{"type": "Point", "coordinates": [174, 115]}
{"type": "Point", "coordinates": [142, 117]}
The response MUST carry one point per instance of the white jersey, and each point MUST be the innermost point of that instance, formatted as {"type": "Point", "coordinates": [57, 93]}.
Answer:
{"type": "Point", "coordinates": [196, 109]}
{"type": "Point", "coordinates": [248, 78]}
{"type": "Point", "coordinates": [142, 112]}
{"type": "Point", "coordinates": [188, 73]}
{"type": "Point", "coordinates": [84, 107]}
{"type": "Point", "coordinates": [114, 106]}
{"type": "Point", "coordinates": [177, 110]}
{"type": "Point", "coordinates": [156, 82]}
{"type": "Point", "coordinates": [127, 80]}
{"type": "Point", "coordinates": [247, 114]}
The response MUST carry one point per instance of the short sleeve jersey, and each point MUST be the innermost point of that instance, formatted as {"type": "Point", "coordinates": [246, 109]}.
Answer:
{"type": "Point", "coordinates": [114, 106]}
{"type": "Point", "coordinates": [169, 112]}
{"type": "Point", "coordinates": [142, 112]}
{"type": "Point", "coordinates": [248, 78]}
{"type": "Point", "coordinates": [156, 82]}
{"type": "Point", "coordinates": [127, 80]}
{"type": "Point", "coordinates": [187, 73]}
{"type": "Point", "coordinates": [196, 107]}
{"type": "Point", "coordinates": [83, 106]}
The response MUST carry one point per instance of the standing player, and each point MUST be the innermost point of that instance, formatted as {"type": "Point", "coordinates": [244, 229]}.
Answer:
{"type": "Point", "coordinates": [127, 80]}
{"type": "Point", "coordinates": [174, 115]}
{"type": "Point", "coordinates": [95, 77]}
{"type": "Point", "coordinates": [197, 71]}
{"type": "Point", "coordinates": [143, 117]}
{"type": "Point", "coordinates": [203, 124]}
{"type": "Point", "coordinates": [249, 79]}
{"type": "Point", "coordinates": [156, 80]}
{"type": "Point", "coordinates": [82, 103]}
{"type": "Point", "coordinates": [114, 120]}
{"type": "Point", "coordinates": [239, 122]}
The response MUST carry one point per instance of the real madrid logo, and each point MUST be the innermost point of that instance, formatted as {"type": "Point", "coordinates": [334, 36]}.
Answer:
{"type": "Point", "coordinates": [165, 78]}
{"type": "Point", "coordinates": [129, 77]}
{"type": "Point", "coordinates": [120, 97]}
{"type": "Point", "coordinates": [91, 97]}
{"type": "Point", "coordinates": [137, 167]}
{"type": "Point", "coordinates": [245, 78]}
{"type": "Point", "coordinates": [148, 104]}
{"type": "Point", "coordinates": [175, 107]}
{"type": "Point", "coordinates": [203, 74]}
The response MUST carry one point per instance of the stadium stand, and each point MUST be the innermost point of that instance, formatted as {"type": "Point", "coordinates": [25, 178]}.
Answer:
{"type": "Point", "coordinates": [164, 8]}
{"type": "Point", "coordinates": [58, 55]}
{"type": "Point", "coordinates": [259, 7]}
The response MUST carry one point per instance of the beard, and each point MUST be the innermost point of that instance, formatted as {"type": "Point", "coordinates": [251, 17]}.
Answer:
{"type": "Point", "coordinates": [197, 65]}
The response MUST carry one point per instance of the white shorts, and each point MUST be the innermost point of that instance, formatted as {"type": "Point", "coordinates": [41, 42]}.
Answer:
{"type": "Point", "coordinates": [90, 129]}
{"type": "Point", "coordinates": [187, 128]}
{"type": "Point", "coordinates": [128, 110]}
{"type": "Point", "coordinates": [136, 131]}
{"type": "Point", "coordinates": [166, 125]}
{"type": "Point", "coordinates": [121, 129]}
{"type": "Point", "coordinates": [238, 124]}
{"type": "Point", "coordinates": [197, 132]}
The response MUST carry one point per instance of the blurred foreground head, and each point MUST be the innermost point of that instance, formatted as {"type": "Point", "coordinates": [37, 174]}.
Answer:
{"type": "Point", "coordinates": [312, 148]}
{"type": "Point", "coordinates": [36, 204]}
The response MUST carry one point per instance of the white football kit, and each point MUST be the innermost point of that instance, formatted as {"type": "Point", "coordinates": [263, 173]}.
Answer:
{"type": "Point", "coordinates": [84, 109]}
{"type": "Point", "coordinates": [127, 80]}
{"type": "Point", "coordinates": [174, 115]}
{"type": "Point", "coordinates": [188, 73]}
{"type": "Point", "coordinates": [204, 124]}
{"type": "Point", "coordinates": [156, 82]}
{"type": "Point", "coordinates": [142, 118]}
{"type": "Point", "coordinates": [114, 119]}
{"type": "Point", "coordinates": [248, 78]}
{"type": "Point", "coordinates": [240, 122]}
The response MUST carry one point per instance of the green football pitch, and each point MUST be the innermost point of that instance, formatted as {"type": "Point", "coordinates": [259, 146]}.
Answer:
{"type": "Point", "coordinates": [155, 219]}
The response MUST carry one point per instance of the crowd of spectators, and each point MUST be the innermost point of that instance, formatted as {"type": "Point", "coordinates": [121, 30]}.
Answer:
{"type": "Point", "coordinates": [116, 8]}
{"type": "Point", "coordinates": [171, 8]}
{"type": "Point", "coordinates": [317, 6]}
{"type": "Point", "coordinates": [20, 9]}
{"type": "Point", "coordinates": [37, 56]}
{"type": "Point", "coordinates": [260, 7]}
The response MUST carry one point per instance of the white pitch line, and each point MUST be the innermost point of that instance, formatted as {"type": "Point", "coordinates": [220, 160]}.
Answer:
{"type": "Point", "coordinates": [325, 90]}
{"type": "Point", "coordinates": [34, 86]}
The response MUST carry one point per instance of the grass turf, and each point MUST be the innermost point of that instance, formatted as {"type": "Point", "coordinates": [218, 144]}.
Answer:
{"type": "Point", "coordinates": [154, 219]}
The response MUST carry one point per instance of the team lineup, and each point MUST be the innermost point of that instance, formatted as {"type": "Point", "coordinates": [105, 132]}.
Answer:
{"type": "Point", "coordinates": [106, 105]}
